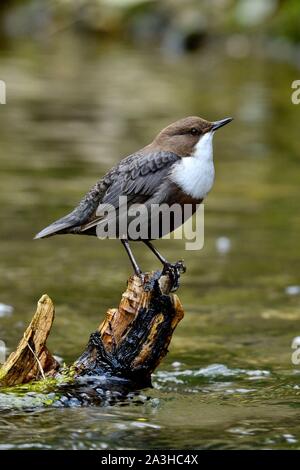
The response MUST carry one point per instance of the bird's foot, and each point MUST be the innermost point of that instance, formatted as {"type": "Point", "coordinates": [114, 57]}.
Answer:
{"type": "Point", "coordinates": [138, 272]}
{"type": "Point", "coordinates": [141, 276]}
{"type": "Point", "coordinates": [174, 271]}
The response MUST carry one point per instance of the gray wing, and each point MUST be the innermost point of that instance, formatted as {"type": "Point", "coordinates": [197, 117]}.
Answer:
{"type": "Point", "coordinates": [141, 177]}
{"type": "Point", "coordinates": [138, 177]}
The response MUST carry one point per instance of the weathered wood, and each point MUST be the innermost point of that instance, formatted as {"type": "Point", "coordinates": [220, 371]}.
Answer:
{"type": "Point", "coordinates": [32, 360]}
{"type": "Point", "coordinates": [133, 339]}
{"type": "Point", "coordinates": [129, 344]}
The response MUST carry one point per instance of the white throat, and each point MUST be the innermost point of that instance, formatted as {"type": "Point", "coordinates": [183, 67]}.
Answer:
{"type": "Point", "coordinates": [195, 175]}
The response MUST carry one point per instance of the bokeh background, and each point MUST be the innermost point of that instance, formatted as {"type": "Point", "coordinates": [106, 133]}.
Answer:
{"type": "Point", "coordinates": [89, 82]}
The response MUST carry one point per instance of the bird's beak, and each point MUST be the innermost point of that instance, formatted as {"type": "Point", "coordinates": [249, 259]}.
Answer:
{"type": "Point", "coordinates": [217, 124]}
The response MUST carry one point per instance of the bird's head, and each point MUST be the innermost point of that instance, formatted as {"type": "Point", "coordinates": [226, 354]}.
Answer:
{"type": "Point", "coordinates": [182, 136]}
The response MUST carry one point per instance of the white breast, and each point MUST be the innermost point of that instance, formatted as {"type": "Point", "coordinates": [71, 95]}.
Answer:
{"type": "Point", "coordinates": [195, 175]}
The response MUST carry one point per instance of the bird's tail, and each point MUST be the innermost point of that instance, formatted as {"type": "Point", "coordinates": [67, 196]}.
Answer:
{"type": "Point", "coordinates": [79, 216]}
{"type": "Point", "coordinates": [60, 225]}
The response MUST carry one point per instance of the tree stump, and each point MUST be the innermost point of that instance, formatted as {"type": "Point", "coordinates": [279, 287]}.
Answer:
{"type": "Point", "coordinates": [129, 344]}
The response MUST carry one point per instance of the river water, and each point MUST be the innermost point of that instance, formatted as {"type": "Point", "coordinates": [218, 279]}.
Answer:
{"type": "Point", "coordinates": [74, 108]}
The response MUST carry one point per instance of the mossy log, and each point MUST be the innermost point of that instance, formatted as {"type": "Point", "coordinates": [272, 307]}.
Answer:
{"type": "Point", "coordinates": [129, 344]}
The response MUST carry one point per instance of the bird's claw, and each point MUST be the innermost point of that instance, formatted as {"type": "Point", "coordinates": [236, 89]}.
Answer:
{"type": "Point", "coordinates": [174, 271]}
{"type": "Point", "coordinates": [142, 276]}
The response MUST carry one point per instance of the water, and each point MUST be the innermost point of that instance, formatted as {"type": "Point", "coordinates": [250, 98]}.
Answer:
{"type": "Point", "coordinates": [73, 109]}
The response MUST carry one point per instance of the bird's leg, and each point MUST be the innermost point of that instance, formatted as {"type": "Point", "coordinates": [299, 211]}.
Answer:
{"type": "Point", "coordinates": [174, 270]}
{"type": "Point", "coordinates": [136, 267]}
{"type": "Point", "coordinates": [156, 252]}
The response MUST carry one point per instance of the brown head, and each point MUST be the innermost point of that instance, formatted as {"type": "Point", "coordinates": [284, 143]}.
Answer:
{"type": "Point", "coordinates": [182, 136]}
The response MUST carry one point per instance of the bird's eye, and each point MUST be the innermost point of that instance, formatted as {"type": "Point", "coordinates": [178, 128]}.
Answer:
{"type": "Point", "coordinates": [195, 131]}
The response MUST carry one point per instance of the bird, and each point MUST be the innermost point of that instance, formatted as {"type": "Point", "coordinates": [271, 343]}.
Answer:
{"type": "Point", "coordinates": [176, 167]}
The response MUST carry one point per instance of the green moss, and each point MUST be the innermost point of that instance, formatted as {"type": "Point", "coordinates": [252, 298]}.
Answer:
{"type": "Point", "coordinates": [47, 385]}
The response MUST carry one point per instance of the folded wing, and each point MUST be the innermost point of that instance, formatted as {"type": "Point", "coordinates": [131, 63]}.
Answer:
{"type": "Point", "coordinates": [139, 179]}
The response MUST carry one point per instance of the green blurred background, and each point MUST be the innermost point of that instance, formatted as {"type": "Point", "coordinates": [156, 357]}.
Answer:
{"type": "Point", "coordinates": [89, 82]}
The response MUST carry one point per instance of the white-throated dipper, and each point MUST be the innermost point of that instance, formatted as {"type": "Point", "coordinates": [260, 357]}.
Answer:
{"type": "Point", "coordinates": [177, 167]}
